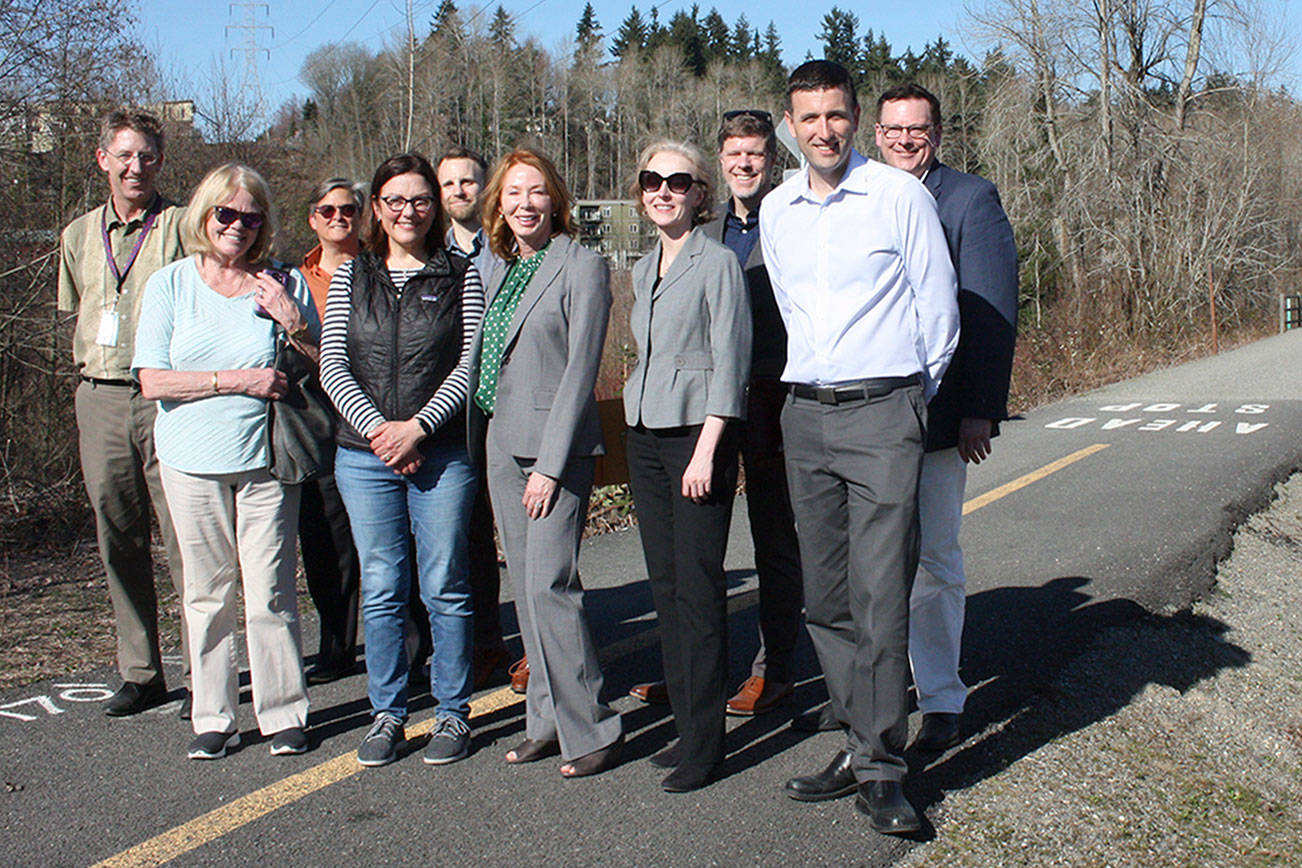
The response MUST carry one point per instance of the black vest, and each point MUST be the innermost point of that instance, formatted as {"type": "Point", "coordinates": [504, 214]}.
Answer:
{"type": "Point", "coordinates": [402, 345]}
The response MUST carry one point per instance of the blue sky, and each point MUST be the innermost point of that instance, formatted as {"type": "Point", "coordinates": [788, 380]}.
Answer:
{"type": "Point", "coordinates": [188, 36]}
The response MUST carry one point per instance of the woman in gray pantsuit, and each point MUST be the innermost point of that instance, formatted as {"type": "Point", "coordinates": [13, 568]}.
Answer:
{"type": "Point", "coordinates": [536, 361]}
{"type": "Point", "coordinates": [691, 320]}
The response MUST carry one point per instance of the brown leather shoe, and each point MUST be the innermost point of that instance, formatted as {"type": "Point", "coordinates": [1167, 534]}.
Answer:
{"type": "Point", "coordinates": [519, 673]}
{"type": "Point", "coordinates": [486, 662]}
{"type": "Point", "coordinates": [758, 695]}
{"type": "Point", "coordinates": [653, 692]}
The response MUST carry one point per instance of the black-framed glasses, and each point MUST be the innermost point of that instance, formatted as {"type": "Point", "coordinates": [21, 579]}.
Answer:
{"type": "Point", "coordinates": [679, 182]}
{"type": "Point", "coordinates": [914, 131]}
{"type": "Point", "coordinates": [250, 220]}
{"type": "Point", "coordinates": [758, 114]}
{"type": "Point", "coordinates": [347, 211]}
{"type": "Point", "coordinates": [397, 204]}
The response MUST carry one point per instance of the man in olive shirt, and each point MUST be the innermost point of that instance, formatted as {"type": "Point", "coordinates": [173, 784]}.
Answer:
{"type": "Point", "coordinates": [106, 256]}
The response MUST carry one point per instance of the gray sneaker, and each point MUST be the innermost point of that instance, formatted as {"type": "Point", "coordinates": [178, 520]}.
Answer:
{"type": "Point", "coordinates": [212, 745]}
{"type": "Point", "coordinates": [449, 743]}
{"type": "Point", "coordinates": [380, 746]}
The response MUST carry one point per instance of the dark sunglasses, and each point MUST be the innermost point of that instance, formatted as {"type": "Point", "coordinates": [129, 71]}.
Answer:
{"type": "Point", "coordinates": [248, 219]}
{"type": "Point", "coordinates": [758, 114]}
{"type": "Point", "coordinates": [679, 182]}
{"type": "Point", "coordinates": [348, 211]}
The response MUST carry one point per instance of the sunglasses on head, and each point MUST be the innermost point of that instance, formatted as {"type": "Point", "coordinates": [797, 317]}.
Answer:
{"type": "Point", "coordinates": [679, 182]}
{"type": "Point", "coordinates": [250, 220]}
{"type": "Point", "coordinates": [758, 114]}
{"type": "Point", "coordinates": [348, 211]}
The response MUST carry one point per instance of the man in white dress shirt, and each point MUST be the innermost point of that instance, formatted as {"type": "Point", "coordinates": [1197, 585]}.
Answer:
{"type": "Point", "coordinates": [862, 276]}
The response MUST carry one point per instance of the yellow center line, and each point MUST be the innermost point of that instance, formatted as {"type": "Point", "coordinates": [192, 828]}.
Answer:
{"type": "Point", "coordinates": [1034, 476]}
{"type": "Point", "coordinates": [218, 822]}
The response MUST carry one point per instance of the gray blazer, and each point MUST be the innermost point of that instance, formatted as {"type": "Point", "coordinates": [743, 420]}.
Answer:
{"type": "Point", "coordinates": [697, 323]}
{"type": "Point", "coordinates": [545, 409]}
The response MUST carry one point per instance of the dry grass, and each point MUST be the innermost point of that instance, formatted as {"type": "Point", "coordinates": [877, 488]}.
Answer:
{"type": "Point", "coordinates": [1057, 362]}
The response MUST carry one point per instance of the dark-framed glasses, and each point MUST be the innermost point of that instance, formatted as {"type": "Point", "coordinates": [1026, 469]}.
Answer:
{"type": "Point", "coordinates": [679, 182]}
{"type": "Point", "coordinates": [397, 204]}
{"type": "Point", "coordinates": [250, 220]}
{"type": "Point", "coordinates": [892, 132]}
{"type": "Point", "coordinates": [348, 211]}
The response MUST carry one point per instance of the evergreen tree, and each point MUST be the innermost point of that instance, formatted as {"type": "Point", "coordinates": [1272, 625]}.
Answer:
{"type": "Point", "coordinates": [840, 40]}
{"type": "Point", "coordinates": [447, 21]}
{"type": "Point", "coordinates": [878, 64]}
{"type": "Point", "coordinates": [656, 33]}
{"type": "Point", "coordinates": [716, 36]}
{"type": "Point", "coordinates": [771, 55]}
{"type": "Point", "coordinates": [936, 56]}
{"type": "Point", "coordinates": [685, 32]}
{"type": "Point", "coordinates": [744, 40]}
{"type": "Point", "coordinates": [588, 31]}
{"type": "Point", "coordinates": [502, 30]}
{"type": "Point", "coordinates": [632, 34]}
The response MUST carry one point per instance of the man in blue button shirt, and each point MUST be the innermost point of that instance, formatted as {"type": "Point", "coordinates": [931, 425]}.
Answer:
{"type": "Point", "coordinates": [863, 279]}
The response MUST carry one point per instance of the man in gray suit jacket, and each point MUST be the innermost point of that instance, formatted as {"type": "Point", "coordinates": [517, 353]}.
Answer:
{"type": "Point", "coordinates": [973, 398]}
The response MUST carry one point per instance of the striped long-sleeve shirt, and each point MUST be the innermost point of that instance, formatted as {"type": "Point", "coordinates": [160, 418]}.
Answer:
{"type": "Point", "coordinates": [336, 370]}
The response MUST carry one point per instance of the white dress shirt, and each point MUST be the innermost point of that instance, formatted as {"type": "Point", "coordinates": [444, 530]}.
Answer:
{"type": "Point", "coordinates": [862, 277]}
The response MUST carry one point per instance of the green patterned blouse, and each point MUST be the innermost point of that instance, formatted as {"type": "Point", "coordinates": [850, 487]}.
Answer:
{"type": "Point", "coordinates": [497, 321]}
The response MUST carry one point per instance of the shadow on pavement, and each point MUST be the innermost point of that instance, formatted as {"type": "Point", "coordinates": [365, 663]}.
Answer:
{"type": "Point", "coordinates": [1017, 645]}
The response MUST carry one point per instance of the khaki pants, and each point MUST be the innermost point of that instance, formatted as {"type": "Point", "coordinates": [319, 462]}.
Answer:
{"type": "Point", "coordinates": [116, 433]}
{"type": "Point", "coordinates": [234, 526]}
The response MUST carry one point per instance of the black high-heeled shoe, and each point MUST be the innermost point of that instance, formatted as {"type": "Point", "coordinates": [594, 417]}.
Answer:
{"type": "Point", "coordinates": [532, 750]}
{"type": "Point", "coordinates": [596, 762]}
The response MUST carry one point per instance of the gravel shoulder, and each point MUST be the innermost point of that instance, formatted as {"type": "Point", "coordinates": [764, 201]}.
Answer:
{"type": "Point", "coordinates": [1173, 741]}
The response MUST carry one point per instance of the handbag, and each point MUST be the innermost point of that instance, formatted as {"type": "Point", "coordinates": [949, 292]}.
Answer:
{"type": "Point", "coordinates": [301, 425]}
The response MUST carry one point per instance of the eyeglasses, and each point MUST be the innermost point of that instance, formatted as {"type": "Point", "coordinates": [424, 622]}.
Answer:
{"type": "Point", "coordinates": [347, 211]}
{"type": "Point", "coordinates": [146, 158]}
{"type": "Point", "coordinates": [679, 182]}
{"type": "Point", "coordinates": [758, 114]}
{"type": "Point", "coordinates": [250, 220]}
{"type": "Point", "coordinates": [915, 131]}
{"type": "Point", "coordinates": [398, 204]}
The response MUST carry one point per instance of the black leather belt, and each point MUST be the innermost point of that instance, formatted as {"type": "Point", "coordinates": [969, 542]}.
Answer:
{"type": "Point", "coordinates": [102, 382]}
{"type": "Point", "coordinates": [861, 390]}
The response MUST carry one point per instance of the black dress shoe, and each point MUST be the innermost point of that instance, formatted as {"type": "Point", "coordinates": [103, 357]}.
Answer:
{"type": "Point", "coordinates": [833, 782]}
{"type": "Point", "coordinates": [883, 803]}
{"type": "Point", "coordinates": [823, 720]}
{"type": "Point", "coordinates": [939, 732]}
{"type": "Point", "coordinates": [684, 779]}
{"type": "Point", "coordinates": [324, 673]}
{"type": "Point", "coordinates": [133, 698]}
{"type": "Point", "coordinates": [187, 705]}
{"type": "Point", "coordinates": [669, 757]}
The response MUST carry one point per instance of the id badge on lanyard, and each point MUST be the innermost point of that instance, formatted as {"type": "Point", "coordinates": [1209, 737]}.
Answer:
{"type": "Point", "coordinates": [110, 320]}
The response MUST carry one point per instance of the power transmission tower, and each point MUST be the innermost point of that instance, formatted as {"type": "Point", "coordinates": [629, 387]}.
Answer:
{"type": "Point", "coordinates": [251, 83]}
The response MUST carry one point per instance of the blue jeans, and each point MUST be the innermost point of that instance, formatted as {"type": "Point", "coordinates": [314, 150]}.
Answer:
{"type": "Point", "coordinates": [434, 504]}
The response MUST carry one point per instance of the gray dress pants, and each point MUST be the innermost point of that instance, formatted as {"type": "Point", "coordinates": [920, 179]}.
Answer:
{"type": "Point", "coordinates": [563, 700]}
{"type": "Point", "coordinates": [115, 427]}
{"type": "Point", "coordinates": [853, 473]}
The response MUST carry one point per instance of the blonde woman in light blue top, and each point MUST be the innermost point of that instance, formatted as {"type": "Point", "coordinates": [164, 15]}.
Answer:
{"type": "Point", "coordinates": [205, 349]}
